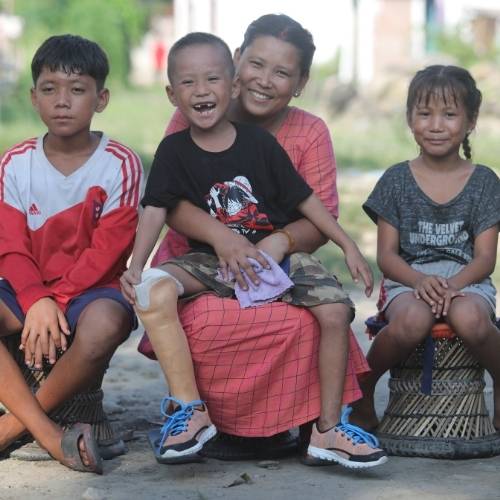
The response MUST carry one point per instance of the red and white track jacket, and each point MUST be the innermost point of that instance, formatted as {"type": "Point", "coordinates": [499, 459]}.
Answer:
{"type": "Point", "coordinates": [62, 235]}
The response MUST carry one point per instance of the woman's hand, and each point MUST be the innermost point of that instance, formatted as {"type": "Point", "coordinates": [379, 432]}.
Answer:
{"type": "Point", "coordinates": [233, 253]}
{"type": "Point", "coordinates": [45, 330]}
{"type": "Point", "coordinates": [358, 266]}
{"type": "Point", "coordinates": [431, 288]}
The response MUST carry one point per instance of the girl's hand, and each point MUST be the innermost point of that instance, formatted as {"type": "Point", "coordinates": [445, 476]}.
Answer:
{"type": "Point", "coordinates": [44, 331]}
{"type": "Point", "coordinates": [233, 254]}
{"type": "Point", "coordinates": [358, 266]}
{"type": "Point", "coordinates": [431, 289]}
{"type": "Point", "coordinates": [128, 279]}
{"type": "Point", "coordinates": [443, 308]}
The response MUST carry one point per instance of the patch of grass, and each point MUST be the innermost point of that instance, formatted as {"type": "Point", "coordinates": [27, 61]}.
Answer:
{"type": "Point", "coordinates": [25, 126]}
{"type": "Point", "coordinates": [379, 142]}
{"type": "Point", "coordinates": [371, 144]}
{"type": "Point", "coordinates": [136, 117]}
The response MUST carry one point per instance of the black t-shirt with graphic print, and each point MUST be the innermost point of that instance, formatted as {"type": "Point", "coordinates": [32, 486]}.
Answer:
{"type": "Point", "coordinates": [251, 187]}
{"type": "Point", "coordinates": [429, 231]}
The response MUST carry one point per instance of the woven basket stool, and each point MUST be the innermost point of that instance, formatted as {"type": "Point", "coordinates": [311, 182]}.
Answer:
{"type": "Point", "coordinates": [450, 422]}
{"type": "Point", "coordinates": [85, 407]}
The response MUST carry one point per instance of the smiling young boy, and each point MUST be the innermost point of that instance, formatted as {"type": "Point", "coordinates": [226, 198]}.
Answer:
{"type": "Point", "coordinates": [68, 215]}
{"type": "Point", "coordinates": [245, 180]}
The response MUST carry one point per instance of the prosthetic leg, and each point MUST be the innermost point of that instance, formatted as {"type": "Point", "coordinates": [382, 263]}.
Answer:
{"type": "Point", "coordinates": [188, 427]}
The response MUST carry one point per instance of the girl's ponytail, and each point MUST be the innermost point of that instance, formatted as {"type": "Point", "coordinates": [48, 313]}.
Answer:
{"type": "Point", "coordinates": [466, 147]}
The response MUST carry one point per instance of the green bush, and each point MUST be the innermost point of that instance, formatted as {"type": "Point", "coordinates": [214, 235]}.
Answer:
{"type": "Point", "coordinates": [453, 43]}
{"type": "Point", "coordinates": [115, 24]}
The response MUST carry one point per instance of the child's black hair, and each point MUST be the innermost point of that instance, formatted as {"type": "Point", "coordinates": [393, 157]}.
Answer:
{"type": "Point", "coordinates": [71, 54]}
{"type": "Point", "coordinates": [446, 81]}
{"type": "Point", "coordinates": [284, 28]}
{"type": "Point", "coordinates": [198, 38]}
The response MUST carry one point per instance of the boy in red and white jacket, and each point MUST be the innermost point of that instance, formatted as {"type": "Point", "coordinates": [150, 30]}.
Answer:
{"type": "Point", "coordinates": [68, 215]}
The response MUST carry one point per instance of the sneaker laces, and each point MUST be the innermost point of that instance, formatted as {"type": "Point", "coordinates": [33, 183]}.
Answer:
{"type": "Point", "coordinates": [355, 433]}
{"type": "Point", "coordinates": [176, 422]}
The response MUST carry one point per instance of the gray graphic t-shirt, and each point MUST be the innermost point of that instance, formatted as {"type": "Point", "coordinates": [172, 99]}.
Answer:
{"type": "Point", "coordinates": [429, 231]}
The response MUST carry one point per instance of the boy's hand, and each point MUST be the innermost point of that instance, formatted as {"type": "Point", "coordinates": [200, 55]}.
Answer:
{"type": "Point", "coordinates": [358, 266]}
{"type": "Point", "coordinates": [39, 356]}
{"type": "Point", "coordinates": [44, 331]}
{"type": "Point", "coordinates": [432, 288]}
{"type": "Point", "coordinates": [129, 278]}
{"type": "Point", "coordinates": [233, 254]}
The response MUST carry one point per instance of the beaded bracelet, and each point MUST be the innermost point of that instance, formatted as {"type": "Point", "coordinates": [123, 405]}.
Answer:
{"type": "Point", "coordinates": [291, 240]}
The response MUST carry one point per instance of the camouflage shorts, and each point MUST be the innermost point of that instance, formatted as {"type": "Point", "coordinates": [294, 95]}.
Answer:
{"type": "Point", "coordinates": [313, 284]}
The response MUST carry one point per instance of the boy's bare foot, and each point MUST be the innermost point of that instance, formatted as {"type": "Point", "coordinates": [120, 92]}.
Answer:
{"type": "Point", "coordinates": [363, 414]}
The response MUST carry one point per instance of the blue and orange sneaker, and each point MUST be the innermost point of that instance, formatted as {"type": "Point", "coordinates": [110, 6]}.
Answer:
{"type": "Point", "coordinates": [185, 430]}
{"type": "Point", "coordinates": [347, 445]}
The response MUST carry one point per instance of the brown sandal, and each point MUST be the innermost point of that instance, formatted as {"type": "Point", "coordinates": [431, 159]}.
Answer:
{"type": "Point", "coordinates": [71, 449]}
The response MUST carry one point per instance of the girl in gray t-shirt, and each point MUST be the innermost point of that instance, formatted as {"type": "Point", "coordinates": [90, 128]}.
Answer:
{"type": "Point", "coordinates": [438, 217]}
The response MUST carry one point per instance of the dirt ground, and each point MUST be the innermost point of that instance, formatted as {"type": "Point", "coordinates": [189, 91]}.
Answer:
{"type": "Point", "coordinates": [133, 388]}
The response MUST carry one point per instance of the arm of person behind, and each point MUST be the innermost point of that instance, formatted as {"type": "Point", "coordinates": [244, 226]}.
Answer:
{"type": "Point", "coordinates": [232, 249]}
{"type": "Point", "coordinates": [151, 222]}
{"type": "Point", "coordinates": [316, 212]}
{"type": "Point", "coordinates": [393, 266]}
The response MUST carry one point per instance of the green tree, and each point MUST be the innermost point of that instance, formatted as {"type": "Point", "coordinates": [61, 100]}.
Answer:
{"type": "Point", "coordinates": [116, 25]}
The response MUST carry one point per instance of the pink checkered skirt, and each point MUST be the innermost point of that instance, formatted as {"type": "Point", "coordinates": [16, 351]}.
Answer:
{"type": "Point", "coordinates": [257, 368]}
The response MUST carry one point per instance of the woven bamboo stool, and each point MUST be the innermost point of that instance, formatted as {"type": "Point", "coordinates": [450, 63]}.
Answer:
{"type": "Point", "coordinates": [85, 407]}
{"type": "Point", "coordinates": [450, 422]}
